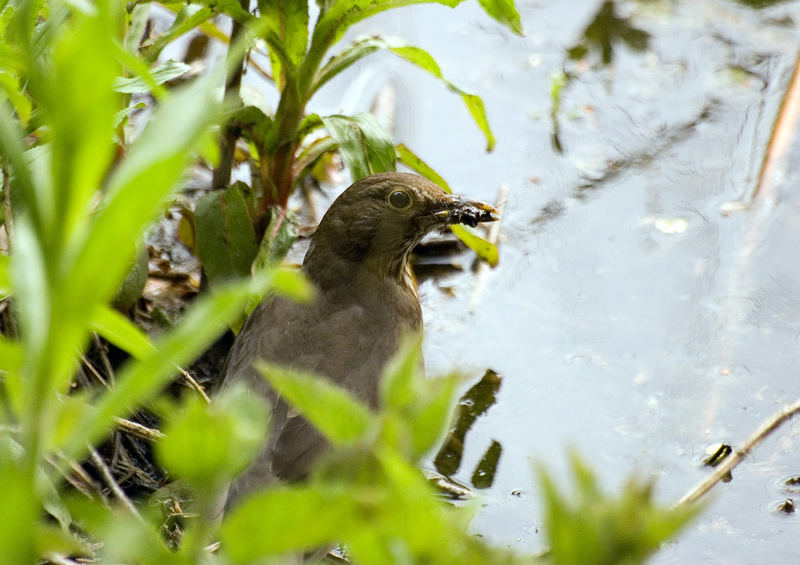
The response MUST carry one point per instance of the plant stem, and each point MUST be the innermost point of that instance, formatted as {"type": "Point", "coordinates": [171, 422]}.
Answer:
{"type": "Point", "coordinates": [727, 464]}
{"type": "Point", "coordinates": [230, 134]}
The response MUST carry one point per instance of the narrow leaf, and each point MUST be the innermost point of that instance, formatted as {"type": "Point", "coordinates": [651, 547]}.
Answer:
{"type": "Point", "coordinates": [365, 146]}
{"type": "Point", "coordinates": [226, 240]}
{"type": "Point", "coordinates": [418, 57]}
{"type": "Point", "coordinates": [412, 161]}
{"type": "Point", "coordinates": [164, 72]}
{"type": "Point", "coordinates": [120, 331]}
{"type": "Point", "coordinates": [504, 12]}
{"type": "Point", "coordinates": [482, 248]}
{"type": "Point", "coordinates": [332, 410]}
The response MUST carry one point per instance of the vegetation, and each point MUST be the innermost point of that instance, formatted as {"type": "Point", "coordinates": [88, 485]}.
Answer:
{"type": "Point", "coordinates": [79, 193]}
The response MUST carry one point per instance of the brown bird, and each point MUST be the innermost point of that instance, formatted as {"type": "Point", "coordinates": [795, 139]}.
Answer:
{"type": "Point", "coordinates": [366, 301]}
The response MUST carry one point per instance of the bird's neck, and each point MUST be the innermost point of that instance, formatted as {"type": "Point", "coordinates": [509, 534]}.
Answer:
{"type": "Point", "coordinates": [381, 274]}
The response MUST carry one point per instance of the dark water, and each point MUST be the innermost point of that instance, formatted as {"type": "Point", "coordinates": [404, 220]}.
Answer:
{"type": "Point", "coordinates": [629, 317]}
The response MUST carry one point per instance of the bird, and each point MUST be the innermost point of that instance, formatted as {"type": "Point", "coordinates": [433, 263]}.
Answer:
{"type": "Point", "coordinates": [366, 300]}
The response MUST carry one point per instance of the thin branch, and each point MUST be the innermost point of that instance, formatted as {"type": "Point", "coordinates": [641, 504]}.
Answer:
{"type": "Point", "coordinates": [727, 464]}
{"type": "Point", "coordinates": [138, 430]}
{"type": "Point", "coordinates": [194, 384]}
{"type": "Point", "coordinates": [105, 472]}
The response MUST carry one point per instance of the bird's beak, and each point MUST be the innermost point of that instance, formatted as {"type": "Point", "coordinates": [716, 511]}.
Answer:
{"type": "Point", "coordinates": [457, 210]}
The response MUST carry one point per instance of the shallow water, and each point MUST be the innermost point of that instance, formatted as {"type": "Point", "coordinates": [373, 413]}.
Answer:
{"type": "Point", "coordinates": [629, 318]}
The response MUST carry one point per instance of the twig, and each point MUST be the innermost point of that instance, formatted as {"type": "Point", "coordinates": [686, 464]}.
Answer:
{"type": "Point", "coordinates": [87, 364]}
{"type": "Point", "coordinates": [194, 384]}
{"type": "Point", "coordinates": [105, 472]}
{"type": "Point", "coordinates": [781, 136]}
{"type": "Point", "coordinates": [138, 430]}
{"type": "Point", "coordinates": [59, 559]}
{"type": "Point", "coordinates": [740, 453]}
{"type": "Point", "coordinates": [102, 352]}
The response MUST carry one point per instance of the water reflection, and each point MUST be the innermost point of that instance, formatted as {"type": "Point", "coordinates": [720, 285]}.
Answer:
{"type": "Point", "coordinates": [473, 404]}
{"type": "Point", "coordinates": [605, 30]}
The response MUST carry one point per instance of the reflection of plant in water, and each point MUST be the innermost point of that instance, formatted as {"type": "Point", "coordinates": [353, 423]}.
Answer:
{"type": "Point", "coordinates": [473, 404]}
{"type": "Point", "coordinates": [606, 29]}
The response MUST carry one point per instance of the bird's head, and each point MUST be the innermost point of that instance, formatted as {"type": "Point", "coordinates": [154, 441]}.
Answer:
{"type": "Point", "coordinates": [379, 219]}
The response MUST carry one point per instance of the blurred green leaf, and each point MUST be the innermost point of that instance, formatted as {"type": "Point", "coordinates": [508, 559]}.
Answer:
{"type": "Point", "coordinates": [17, 528]}
{"type": "Point", "coordinates": [587, 526]}
{"type": "Point", "coordinates": [10, 355]}
{"type": "Point", "coordinates": [287, 519]}
{"type": "Point", "coordinates": [139, 380]}
{"type": "Point", "coordinates": [482, 248]}
{"type": "Point", "coordinates": [81, 119]}
{"type": "Point", "coordinates": [162, 73]}
{"type": "Point", "coordinates": [120, 331]}
{"type": "Point", "coordinates": [291, 282]}
{"type": "Point", "coordinates": [188, 18]}
{"type": "Point", "coordinates": [332, 410]}
{"type": "Point", "coordinates": [365, 146]}
{"type": "Point", "coordinates": [137, 25]}
{"type": "Point", "coordinates": [404, 370]}
{"type": "Point", "coordinates": [141, 185]}
{"type": "Point", "coordinates": [5, 282]}
{"type": "Point", "coordinates": [418, 57]}
{"type": "Point", "coordinates": [209, 444]}
{"type": "Point", "coordinates": [504, 12]}
{"type": "Point", "coordinates": [124, 536]}
{"type": "Point", "coordinates": [419, 405]}
{"type": "Point", "coordinates": [10, 86]}
{"type": "Point", "coordinates": [226, 240]}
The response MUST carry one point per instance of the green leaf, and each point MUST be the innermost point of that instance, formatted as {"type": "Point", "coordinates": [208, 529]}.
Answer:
{"type": "Point", "coordinates": [504, 12]}
{"type": "Point", "coordinates": [120, 331]}
{"type": "Point", "coordinates": [418, 57]}
{"type": "Point", "coordinates": [587, 526]}
{"type": "Point", "coordinates": [256, 126]}
{"type": "Point", "coordinates": [412, 161]}
{"type": "Point", "coordinates": [137, 25]}
{"type": "Point", "coordinates": [164, 72]}
{"type": "Point", "coordinates": [226, 240]}
{"type": "Point", "coordinates": [365, 146]}
{"type": "Point", "coordinates": [209, 444]}
{"type": "Point", "coordinates": [288, 19]}
{"type": "Point", "coordinates": [339, 16]}
{"type": "Point", "coordinates": [206, 319]}
{"type": "Point", "coordinates": [230, 8]}
{"type": "Point", "coordinates": [482, 248]}
{"type": "Point", "coordinates": [333, 411]}
{"type": "Point", "coordinates": [188, 18]}
{"type": "Point", "coordinates": [287, 519]}
{"type": "Point", "coordinates": [280, 235]}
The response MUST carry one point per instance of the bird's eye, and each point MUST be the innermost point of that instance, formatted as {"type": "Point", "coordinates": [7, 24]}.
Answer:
{"type": "Point", "coordinates": [399, 200]}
